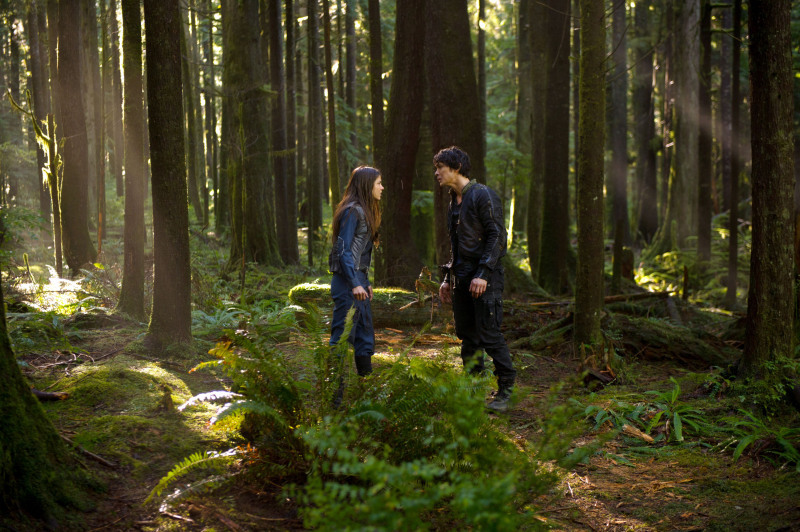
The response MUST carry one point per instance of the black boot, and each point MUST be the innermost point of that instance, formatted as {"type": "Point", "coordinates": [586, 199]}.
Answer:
{"type": "Point", "coordinates": [500, 402]}
{"type": "Point", "coordinates": [363, 365]}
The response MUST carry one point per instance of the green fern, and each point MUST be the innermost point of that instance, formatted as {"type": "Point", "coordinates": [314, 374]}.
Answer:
{"type": "Point", "coordinates": [198, 460]}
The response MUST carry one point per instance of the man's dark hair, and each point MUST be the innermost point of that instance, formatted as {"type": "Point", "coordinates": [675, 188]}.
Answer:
{"type": "Point", "coordinates": [455, 158]}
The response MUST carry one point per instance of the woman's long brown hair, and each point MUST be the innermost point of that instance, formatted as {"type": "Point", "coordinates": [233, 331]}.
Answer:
{"type": "Point", "coordinates": [359, 191]}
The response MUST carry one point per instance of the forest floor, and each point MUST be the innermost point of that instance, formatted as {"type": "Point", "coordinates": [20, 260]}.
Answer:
{"type": "Point", "coordinates": [122, 408]}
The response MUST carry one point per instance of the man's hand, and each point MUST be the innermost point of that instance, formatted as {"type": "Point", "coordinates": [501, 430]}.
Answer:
{"type": "Point", "coordinates": [477, 287]}
{"type": "Point", "coordinates": [445, 292]}
{"type": "Point", "coordinates": [369, 292]}
{"type": "Point", "coordinates": [359, 293]}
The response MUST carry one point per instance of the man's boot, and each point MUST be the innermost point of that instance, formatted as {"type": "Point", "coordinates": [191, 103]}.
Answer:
{"type": "Point", "coordinates": [501, 400]}
{"type": "Point", "coordinates": [363, 365]}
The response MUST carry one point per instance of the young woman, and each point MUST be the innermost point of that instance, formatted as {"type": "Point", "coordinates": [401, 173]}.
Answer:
{"type": "Point", "coordinates": [355, 231]}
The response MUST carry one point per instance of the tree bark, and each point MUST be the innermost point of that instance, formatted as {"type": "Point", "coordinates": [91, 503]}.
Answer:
{"type": "Point", "coordinates": [376, 81]}
{"type": "Point", "coordinates": [131, 299]}
{"type": "Point", "coordinates": [315, 133]}
{"type": "Point", "coordinates": [117, 155]}
{"type": "Point", "coordinates": [191, 123]}
{"type": "Point", "coordinates": [37, 35]}
{"type": "Point", "coordinates": [170, 321]}
{"type": "Point", "coordinates": [333, 152]}
{"type": "Point", "coordinates": [644, 126]}
{"type": "Point", "coordinates": [450, 75]}
{"type": "Point", "coordinates": [554, 246]}
{"type": "Point", "coordinates": [769, 324]}
{"type": "Point", "coordinates": [538, 14]}
{"type": "Point", "coordinates": [291, 132]}
{"type": "Point", "coordinates": [400, 258]}
{"type": "Point", "coordinates": [704, 156]}
{"type": "Point", "coordinates": [735, 162]}
{"type": "Point", "coordinates": [286, 224]}
{"type": "Point", "coordinates": [78, 247]}
{"type": "Point", "coordinates": [589, 278]}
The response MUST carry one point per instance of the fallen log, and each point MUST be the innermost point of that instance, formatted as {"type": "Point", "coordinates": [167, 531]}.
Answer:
{"type": "Point", "coordinates": [49, 396]}
{"type": "Point", "coordinates": [608, 299]}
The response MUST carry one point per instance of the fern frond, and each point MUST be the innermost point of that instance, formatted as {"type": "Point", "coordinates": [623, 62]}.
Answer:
{"type": "Point", "coordinates": [190, 463]}
{"type": "Point", "coordinates": [208, 397]}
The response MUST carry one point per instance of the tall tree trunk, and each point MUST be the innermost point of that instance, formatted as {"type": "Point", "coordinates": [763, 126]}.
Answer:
{"type": "Point", "coordinates": [193, 44]}
{"type": "Point", "coordinates": [376, 81]}
{"type": "Point", "coordinates": [589, 277]}
{"type": "Point", "coordinates": [704, 156]}
{"type": "Point", "coordinates": [450, 74]}
{"type": "Point", "coordinates": [538, 15]}
{"type": "Point", "coordinates": [769, 324]}
{"type": "Point", "coordinates": [286, 225]}
{"type": "Point", "coordinates": [644, 126]}
{"type": "Point", "coordinates": [617, 113]}
{"type": "Point", "coordinates": [333, 152]}
{"type": "Point", "coordinates": [316, 150]}
{"type": "Point", "coordinates": [118, 152]}
{"type": "Point", "coordinates": [108, 122]}
{"type": "Point", "coordinates": [554, 246]}
{"type": "Point", "coordinates": [91, 95]}
{"type": "Point", "coordinates": [524, 109]}
{"type": "Point", "coordinates": [171, 319]}
{"type": "Point", "coordinates": [191, 122]}
{"type": "Point", "coordinates": [291, 131]}
{"type": "Point", "coordinates": [350, 75]}
{"type": "Point", "coordinates": [41, 97]}
{"type": "Point", "coordinates": [400, 258]}
{"type": "Point", "coordinates": [99, 160]}
{"type": "Point", "coordinates": [735, 162]}
{"type": "Point", "coordinates": [78, 247]}
{"type": "Point", "coordinates": [482, 71]}
{"type": "Point", "coordinates": [210, 106]}
{"type": "Point", "coordinates": [255, 238]}
{"type": "Point", "coordinates": [131, 299]}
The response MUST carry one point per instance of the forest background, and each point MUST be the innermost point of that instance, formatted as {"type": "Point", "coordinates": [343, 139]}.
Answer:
{"type": "Point", "coordinates": [222, 133]}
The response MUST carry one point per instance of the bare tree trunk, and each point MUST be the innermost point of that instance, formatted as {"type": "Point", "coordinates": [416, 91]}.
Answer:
{"type": "Point", "coordinates": [333, 155]}
{"type": "Point", "coordinates": [37, 35]}
{"type": "Point", "coordinates": [191, 122]}
{"type": "Point", "coordinates": [644, 128]}
{"type": "Point", "coordinates": [78, 247]}
{"type": "Point", "coordinates": [131, 299]}
{"type": "Point", "coordinates": [704, 169]}
{"type": "Point", "coordinates": [399, 258]}
{"type": "Point", "coordinates": [770, 301]}
{"type": "Point", "coordinates": [538, 35]}
{"type": "Point", "coordinates": [617, 113]}
{"type": "Point", "coordinates": [117, 155]}
{"type": "Point", "coordinates": [314, 171]}
{"type": "Point", "coordinates": [171, 319]}
{"type": "Point", "coordinates": [589, 278]}
{"type": "Point", "coordinates": [735, 161]}
{"type": "Point", "coordinates": [291, 132]}
{"type": "Point", "coordinates": [376, 81]}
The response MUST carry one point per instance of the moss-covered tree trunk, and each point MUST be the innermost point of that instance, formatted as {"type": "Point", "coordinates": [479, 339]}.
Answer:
{"type": "Point", "coordinates": [170, 321]}
{"type": "Point", "coordinates": [33, 459]}
{"type": "Point", "coordinates": [770, 299]}
{"type": "Point", "coordinates": [131, 299]}
{"type": "Point", "coordinates": [37, 37]}
{"type": "Point", "coordinates": [453, 89]}
{"type": "Point", "coordinates": [78, 246]}
{"type": "Point", "coordinates": [399, 256]}
{"type": "Point", "coordinates": [589, 279]}
{"type": "Point", "coordinates": [554, 245]}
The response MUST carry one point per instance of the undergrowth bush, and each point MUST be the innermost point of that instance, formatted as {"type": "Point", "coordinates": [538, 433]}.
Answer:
{"type": "Point", "coordinates": [412, 447]}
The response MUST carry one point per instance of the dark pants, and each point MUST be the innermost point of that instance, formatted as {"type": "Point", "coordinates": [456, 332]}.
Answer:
{"type": "Point", "coordinates": [478, 323]}
{"type": "Point", "coordinates": [362, 335]}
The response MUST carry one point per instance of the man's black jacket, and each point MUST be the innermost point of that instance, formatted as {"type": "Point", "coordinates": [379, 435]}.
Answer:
{"type": "Point", "coordinates": [481, 229]}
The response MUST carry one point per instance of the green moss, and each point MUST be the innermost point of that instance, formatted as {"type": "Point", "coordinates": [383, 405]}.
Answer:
{"type": "Point", "coordinates": [321, 294]}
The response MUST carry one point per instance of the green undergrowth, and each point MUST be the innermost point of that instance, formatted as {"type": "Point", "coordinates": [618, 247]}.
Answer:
{"type": "Point", "coordinates": [123, 410]}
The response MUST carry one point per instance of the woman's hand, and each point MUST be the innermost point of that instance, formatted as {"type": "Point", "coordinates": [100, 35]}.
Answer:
{"type": "Point", "coordinates": [360, 294]}
{"type": "Point", "coordinates": [369, 292]}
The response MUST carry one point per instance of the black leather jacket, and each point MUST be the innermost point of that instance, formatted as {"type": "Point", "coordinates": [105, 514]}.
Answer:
{"type": "Point", "coordinates": [352, 251]}
{"type": "Point", "coordinates": [480, 228]}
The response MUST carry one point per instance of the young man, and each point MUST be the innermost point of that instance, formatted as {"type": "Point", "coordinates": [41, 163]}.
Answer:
{"type": "Point", "coordinates": [473, 280]}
